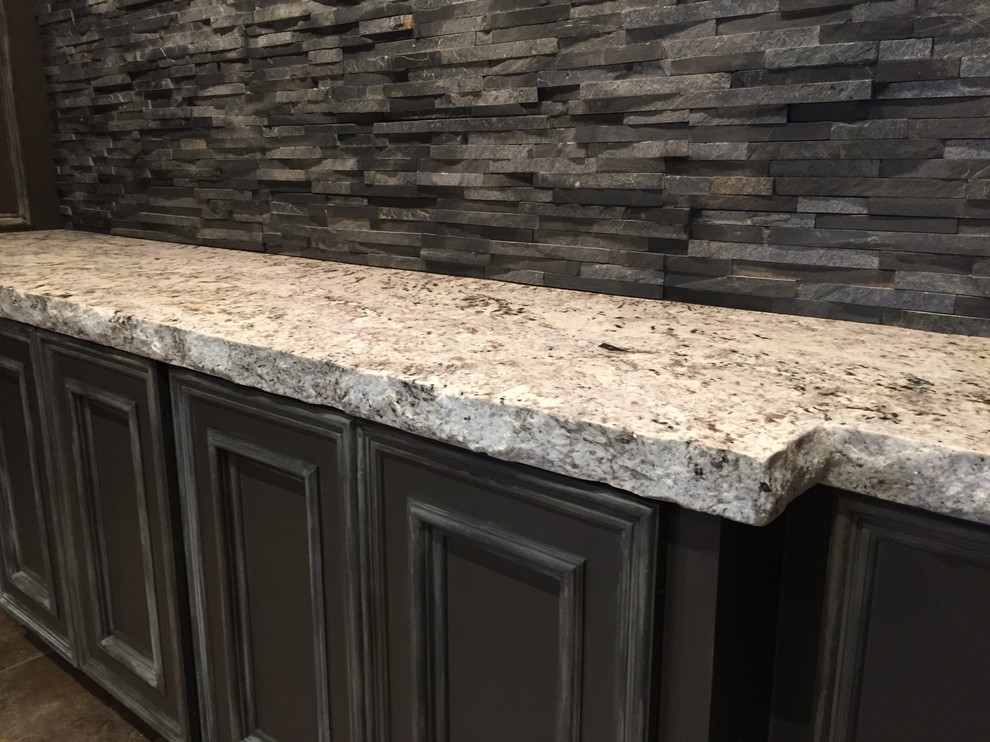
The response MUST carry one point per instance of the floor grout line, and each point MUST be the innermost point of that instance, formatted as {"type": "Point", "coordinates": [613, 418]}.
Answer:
{"type": "Point", "coordinates": [24, 662]}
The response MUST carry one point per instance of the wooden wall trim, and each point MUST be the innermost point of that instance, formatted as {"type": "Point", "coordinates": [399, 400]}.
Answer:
{"type": "Point", "coordinates": [24, 115]}
{"type": "Point", "coordinates": [22, 216]}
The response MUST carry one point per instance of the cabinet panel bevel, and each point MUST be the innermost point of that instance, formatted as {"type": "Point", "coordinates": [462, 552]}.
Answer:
{"type": "Point", "coordinates": [134, 643]}
{"type": "Point", "coordinates": [237, 544]}
{"type": "Point", "coordinates": [432, 529]}
{"type": "Point", "coordinates": [27, 560]}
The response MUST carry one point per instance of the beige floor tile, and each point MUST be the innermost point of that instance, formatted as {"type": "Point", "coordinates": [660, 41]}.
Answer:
{"type": "Point", "coordinates": [16, 646]}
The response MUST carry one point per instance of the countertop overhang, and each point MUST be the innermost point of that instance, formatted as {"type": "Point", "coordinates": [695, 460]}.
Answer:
{"type": "Point", "coordinates": [722, 411]}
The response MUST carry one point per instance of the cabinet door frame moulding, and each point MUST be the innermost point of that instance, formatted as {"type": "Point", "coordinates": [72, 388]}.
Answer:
{"type": "Point", "coordinates": [22, 577]}
{"type": "Point", "coordinates": [638, 522]}
{"type": "Point", "coordinates": [860, 527]}
{"type": "Point", "coordinates": [52, 517]}
{"type": "Point", "coordinates": [187, 386]}
{"type": "Point", "coordinates": [72, 466]}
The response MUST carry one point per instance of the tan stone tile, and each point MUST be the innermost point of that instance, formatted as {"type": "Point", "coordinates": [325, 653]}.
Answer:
{"type": "Point", "coordinates": [16, 646]}
{"type": "Point", "coordinates": [40, 701]}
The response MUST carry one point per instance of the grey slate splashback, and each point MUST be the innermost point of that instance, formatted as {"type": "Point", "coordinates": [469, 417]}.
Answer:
{"type": "Point", "coordinates": [823, 157]}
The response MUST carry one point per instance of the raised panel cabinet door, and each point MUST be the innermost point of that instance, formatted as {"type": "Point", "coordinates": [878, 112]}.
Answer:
{"type": "Point", "coordinates": [907, 654]}
{"type": "Point", "coordinates": [507, 604]}
{"type": "Point", "coordinates": [109, 436]}
{"type": "Point", "coordinates": [265, 485]}
{"type": "Point", "coordinates": [32, 586]}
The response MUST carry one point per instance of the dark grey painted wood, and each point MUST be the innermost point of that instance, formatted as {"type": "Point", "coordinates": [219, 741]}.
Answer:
{"type": "Point", "coordinates": [808, 528]}
{"type": "Point", "coordinates": [9, 204]}
{"type": "Point", "coordinates": [719, 627]}
{"type": "Point", "coordinates": [907, 651]}
{"type": "Point", "coordinates": [28, 198]}
{"type": "Point", "coordinates": [108, 434]}
{"type": "Point", "coordinates": [450, 597]}
{"type": "Point", "coordinates": [265, 484]}
{"type": "Point", "coordinates": [32, 567]}
{"type": "Point", "coordinates": [503, 603]}
{"type": "Point", "coordinates": [689, 626]}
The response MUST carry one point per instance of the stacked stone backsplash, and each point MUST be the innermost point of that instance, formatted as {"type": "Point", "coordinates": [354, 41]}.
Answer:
{"type": "Point", "coordinates": [819, 157]}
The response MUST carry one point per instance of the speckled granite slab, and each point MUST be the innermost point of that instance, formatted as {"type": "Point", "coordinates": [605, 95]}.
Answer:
{"type": "Point", "coordinates": [721, 411]}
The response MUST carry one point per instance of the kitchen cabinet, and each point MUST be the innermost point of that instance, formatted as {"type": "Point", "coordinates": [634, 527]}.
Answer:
{"type": "Point", "coordinates": [883, 625]}
{"type": "Point", "coordinates": [235, 565]}
{"type": "Point", "coordinates": [33, 587]}
{"type": "Point", "coordinates": [507, 603]}
{"type": "Point", "coordinates": [909, 650]}
{"type": "Point", "coordinates": [266, 484]}
{"type": "Point", "coordinates": [109, 442]}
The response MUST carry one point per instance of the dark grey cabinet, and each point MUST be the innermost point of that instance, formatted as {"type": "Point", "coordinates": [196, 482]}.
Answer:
{"type": "Point", "coordinates": [269, 571]}
{"type": "Point", "coordinates": [108, 436]}
{"type": "Point", "coordinates": [32, 555]}
{"type": "Point", "coordinates": [505, 604]}
{"type": "Point", "coordinates": [907, 639]}
{"type": "Point", "coordinates": [266, 486]}
{"type": "Point", "coordinates": [882, 630]}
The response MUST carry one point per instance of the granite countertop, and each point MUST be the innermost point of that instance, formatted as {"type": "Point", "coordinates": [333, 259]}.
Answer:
{"type": "Point", "coordinates": [722, 411]}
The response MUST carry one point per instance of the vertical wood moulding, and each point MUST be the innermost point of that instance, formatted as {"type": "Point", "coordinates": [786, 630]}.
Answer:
{"type": "Point", "coordinates": [9, 114]}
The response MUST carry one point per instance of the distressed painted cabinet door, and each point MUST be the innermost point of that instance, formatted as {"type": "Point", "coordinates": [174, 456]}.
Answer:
{"type": "Point", "coordinates": [513, 605]}
{"type": "Point", "coordinates": [32, 584]}
{"type": "Point", "coordinates": [908, 627]}
{"type": "Point", "coordinates": [110, 442]}
{"type": "Point", "coordinates": [264, 493]}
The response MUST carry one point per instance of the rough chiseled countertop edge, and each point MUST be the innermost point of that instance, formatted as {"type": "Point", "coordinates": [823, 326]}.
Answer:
{"type": "Point", "coordinates": [696, 476]}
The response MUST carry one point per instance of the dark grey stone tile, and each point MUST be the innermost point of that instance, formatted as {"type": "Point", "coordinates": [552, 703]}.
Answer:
{"type": "Point", "coordinates": [907, 261]}
{"type": "Point", "coordinates": [888, 224]}
{"type": "Point", "coordinates": [937, 322]}
{"type": "Point", "coordinates": [878, 297]}
{"type": "Point", "coordinates": [796, 141]}
{"type": "Point", "coordinates": [973, 306]}
{"type": "Point", "coordinates": [917, 69]}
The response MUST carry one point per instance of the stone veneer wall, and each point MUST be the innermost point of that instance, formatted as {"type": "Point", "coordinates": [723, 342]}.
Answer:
{"type": "Point", "coordinates": [824, 157]}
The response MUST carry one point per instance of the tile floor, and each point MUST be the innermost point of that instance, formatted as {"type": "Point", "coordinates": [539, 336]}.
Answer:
{"type": "Point", "coordinates": [42, 699]}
